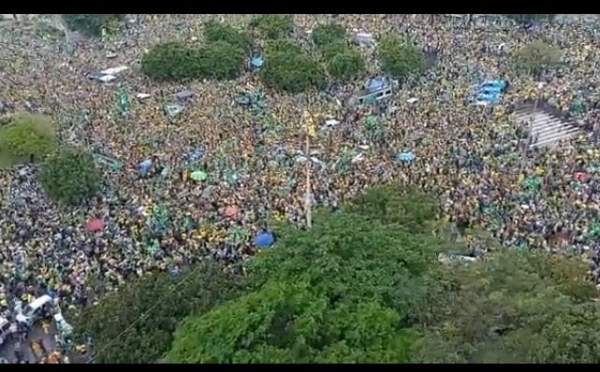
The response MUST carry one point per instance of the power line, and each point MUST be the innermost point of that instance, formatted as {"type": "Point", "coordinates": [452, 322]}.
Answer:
{"type": "Point", "coordinates": [143, 316]}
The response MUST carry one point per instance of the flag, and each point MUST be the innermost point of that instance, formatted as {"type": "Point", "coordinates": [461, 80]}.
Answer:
{"type": "Point", "coordinates": [123, 103]}
{"type": "Point", "coordinates": [309, 122]}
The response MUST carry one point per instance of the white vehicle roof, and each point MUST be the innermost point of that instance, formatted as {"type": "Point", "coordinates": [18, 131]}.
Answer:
{"type": "Point", "coordinates": [40, 301]}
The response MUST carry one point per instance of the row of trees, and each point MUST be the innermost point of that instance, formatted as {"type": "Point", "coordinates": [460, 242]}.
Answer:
{"type": "Point", "coordinates": [288, 67]}
{"type": "Point", "coordinates": [363, 285]}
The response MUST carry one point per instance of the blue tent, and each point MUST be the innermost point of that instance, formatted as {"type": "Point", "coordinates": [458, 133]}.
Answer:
{"type": "Point", "coordinates": [264, 240]}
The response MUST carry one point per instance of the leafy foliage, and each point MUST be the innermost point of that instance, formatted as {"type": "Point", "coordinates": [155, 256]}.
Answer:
{"type": "Point", "coordinates": [89, 24]}
{"type": "Point", "coordinates": [527, 18]}
{"type": "Point", "coordinates": [327, 34]}
{"type": "Point", "coordinates": [529, 303]}
{"type": "Point", "coordinates": [27, 137]}
{"type": "Point", "coordinates": [172, 61]}
{"type": "Point", "coordinates": [537, 57]}
{"type": "Point", "coordinates": [70, 176]}
{"type": "Point", "coordinates": [400, 59]}
{"type": "Point", "coordinates": [217, 31]}
{"type": "Point", "coordinates": [290, 69]}
{"type": "Point", "coordinates": [345, 291]}
{"type": "Point", "coordinates": [346, 65]}
{"type": "Point", "coordinates": [165, 299]}
{"type": "Point", "coordinates": [221, 61]}
{"type": "Point", "coordinates": [273, 26]}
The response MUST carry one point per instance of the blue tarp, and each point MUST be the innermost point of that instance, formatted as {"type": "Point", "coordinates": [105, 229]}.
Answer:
{"type": "Point", "coordinates": [495, 84]}
{"type": "Point", "coordinates": [490, 91]}
{"type": "Point", "coordinates": [264, 240]}
{"type": "Point", "coordinates": [256, 62]}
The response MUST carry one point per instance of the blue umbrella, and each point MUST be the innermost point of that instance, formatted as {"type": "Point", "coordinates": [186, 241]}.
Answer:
{"type": "Point", "coordinates": [406, 157]}
{"type": "Point", "coordinates": [264, 240]}
{"type": "Point", "coordinates": [144, 167]}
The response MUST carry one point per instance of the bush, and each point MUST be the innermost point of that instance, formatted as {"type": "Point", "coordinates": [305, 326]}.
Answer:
{"type": "Point", "coordinates": [536, 57]}
{"type": "Point", "coordinates": [400, 59]}
{"type": "Point", "coordinates": [195, 292]}
{"type": "Point", "coordinates": [329, 51]}
{"type": "Point", "coordinates": [89, 24]}
{"type": "Point", "coordinates": [221, 61]}
{"type": "Point", "coordinates": [324, 35]}
{"type": "Point", "coordinates": [172, 61]}
{"type": "Point", "coordinates": [70, 176]}
{"type": "Point", "coordinates": [27, 137]}
{"type": "Point", "coordinates": [273, 26]}
{"type": "Point", "coordinates": [217, 31]}
{"type": "Point", "coordinates": [290, 69]}
{"type": "Point", "coordinates": [346, 65]}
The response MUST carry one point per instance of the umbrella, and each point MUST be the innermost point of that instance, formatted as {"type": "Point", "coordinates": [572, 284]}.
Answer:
{"type": "Point", "coordinates": [581, 176]}
{"type": "Point", "coordinates": [144, 167]}
{"type": "Point", "coordinates": [406, 156]}
{"type": "Point", "coordinates": [199, 176]}
{"type": "Point", "coordinates": [95, 225]}
{"type": "Point", "coordinates": [232, 212]}
{"type": "Point", "coordinates": [532, 183]}
{"type": "Point", "coordinates": [264, 240]}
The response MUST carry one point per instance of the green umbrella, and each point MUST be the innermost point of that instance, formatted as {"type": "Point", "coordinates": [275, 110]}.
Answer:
{"type": "Point", "coordinates": [532, 183]}
{"type": "Point", "coordinates": [199, 176]}
{"type": "Point", "coordinates": [594, 231]}
{"type": "Point", "coordinates": [153, 247]}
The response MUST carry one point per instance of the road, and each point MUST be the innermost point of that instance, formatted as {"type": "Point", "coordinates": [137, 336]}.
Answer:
{"type": "Point", "coordinates": [7, 349]}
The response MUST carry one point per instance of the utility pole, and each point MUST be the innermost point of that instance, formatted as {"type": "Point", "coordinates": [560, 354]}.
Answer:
{"type": "Point", "coordinates": [310, 132]}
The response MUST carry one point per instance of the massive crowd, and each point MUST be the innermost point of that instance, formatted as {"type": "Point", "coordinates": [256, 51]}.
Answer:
{"type": "Point", "coordinates": [472, 158]}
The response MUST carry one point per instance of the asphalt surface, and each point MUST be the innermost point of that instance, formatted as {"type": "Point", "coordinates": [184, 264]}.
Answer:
{"type": "Point", "coordinates": [7, 349]}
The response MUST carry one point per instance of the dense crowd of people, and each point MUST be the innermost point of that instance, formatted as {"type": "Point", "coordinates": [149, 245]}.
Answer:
{"type": "Point", "coordinates": [474, 159]}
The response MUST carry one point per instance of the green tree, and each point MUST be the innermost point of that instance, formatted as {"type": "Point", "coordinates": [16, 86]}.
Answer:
{"type": "Point", "coordinates": [27, 137]}
{"type": "Point", "coordinates": [150, 308]}
{"type": "Point", "coordinates": [290, 69]}
{"type": "Point", "coordinates": [89, 24]}
{"type": "Point", "coordinates": [345, 291]}
{"type": "Point", "coordinates": [512, 307]}
{"type": "Point", "coordinates": [536, 57]}
{"type": "Point", "coordinates": [172, 61]}
{"type": "Point", "coordinates": [324, 35]}
{"type": "Point", "coordinates": [346, 65]}
{"type": "Point", "coordinates": [217, 31]}
{"type": "Point", "coordinates": [70, 176]}
{"type": "Point", "coordinates": [526, 18]}
{"type": "Point", "coordinates": [273, 26]}
{"type": "Point", "coordinates": [400, 59]}
{"type": "Point", "coordinates": [221, 61]}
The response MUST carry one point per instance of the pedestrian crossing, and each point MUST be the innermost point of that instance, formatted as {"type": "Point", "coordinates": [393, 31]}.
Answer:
{"type": "Point", "coordinates": [546, 129]}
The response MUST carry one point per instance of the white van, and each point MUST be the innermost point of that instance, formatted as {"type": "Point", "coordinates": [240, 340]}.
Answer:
{"type": "Point", "coordinates": [32, 311]}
